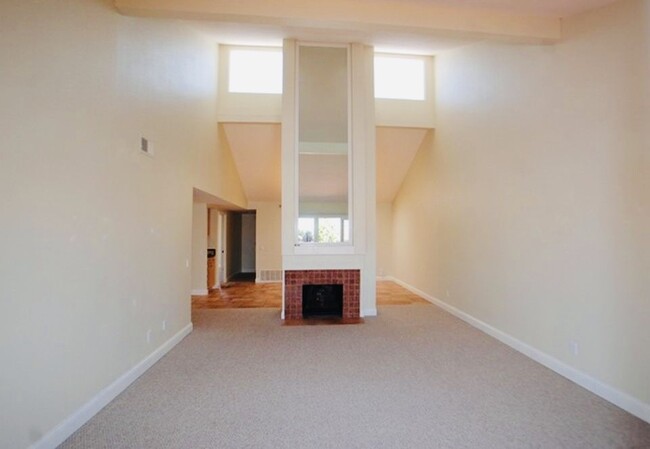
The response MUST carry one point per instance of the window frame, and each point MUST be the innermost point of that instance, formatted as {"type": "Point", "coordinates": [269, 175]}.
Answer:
{"type": "Point", "coordinates": [317, 217]}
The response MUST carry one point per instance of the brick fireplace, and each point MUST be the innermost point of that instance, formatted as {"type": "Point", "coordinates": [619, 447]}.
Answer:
{"type": "Point", "coordinates": [293, 288]}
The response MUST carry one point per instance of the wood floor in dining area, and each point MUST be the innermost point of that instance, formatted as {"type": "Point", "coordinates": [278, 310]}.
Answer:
{"type": "Point", "coordinates": [246, 295]}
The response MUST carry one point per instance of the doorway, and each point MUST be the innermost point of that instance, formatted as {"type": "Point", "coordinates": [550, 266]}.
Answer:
{"type": "Point", "coordinates": [241, 243]}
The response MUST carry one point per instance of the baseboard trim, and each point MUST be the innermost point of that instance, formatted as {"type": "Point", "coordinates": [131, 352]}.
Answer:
{"type": "Point", "coordinates": [369, 312]}
{"type": "Point", "coordinates": [199, 292]}
{"type": "Point", "coordinates": [70, 425]}
{"type": "Point", "coordinates": [258, 281]}
{"type": "Point", "coordinates": [621, 399]}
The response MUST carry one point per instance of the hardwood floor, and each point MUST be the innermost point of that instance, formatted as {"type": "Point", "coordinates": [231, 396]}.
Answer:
{"type": "Point", "coordinates": [241, 295]}
{"type": "Point", "coordinates": [238, 295]}
{"type": "Point", "coordinates": [391, 294]}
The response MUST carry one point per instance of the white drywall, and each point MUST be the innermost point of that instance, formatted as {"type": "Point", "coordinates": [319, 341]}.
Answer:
{"type": "Point", "coordinates": [269, 236]}
{"type": "Point", "coordinates": [96, 237]}
{"type": "Point", "coordinates": [530, 208]}
{"type": "Point", "coordinates": [199, 249]}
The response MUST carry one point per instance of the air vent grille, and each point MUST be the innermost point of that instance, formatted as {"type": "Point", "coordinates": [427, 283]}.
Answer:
{"type": "Point", "coordinates": [146, 147]}
{"type": "Point", "coordinates": [270, 276]}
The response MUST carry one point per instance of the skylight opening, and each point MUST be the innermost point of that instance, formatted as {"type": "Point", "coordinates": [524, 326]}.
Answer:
{"type": "Point", "coordinates": [399, 77]}
{"type": "Point", "coordinates": [255, 71]}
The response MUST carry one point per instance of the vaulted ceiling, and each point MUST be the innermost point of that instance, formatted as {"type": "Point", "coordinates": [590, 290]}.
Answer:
{"type": "Point", "coordinates": [256, 150]}
{"type": "Point", "coordinates": [417, 26]}
{"type": "Point", "coordinates": [396, 149]}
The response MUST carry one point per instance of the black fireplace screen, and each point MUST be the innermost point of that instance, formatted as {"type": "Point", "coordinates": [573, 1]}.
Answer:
{"type": "Point", "coordinates": [322, 301]}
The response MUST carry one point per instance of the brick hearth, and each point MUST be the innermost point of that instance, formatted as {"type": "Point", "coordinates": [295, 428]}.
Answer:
{"type": "Point", "coordinates": [295, 279]}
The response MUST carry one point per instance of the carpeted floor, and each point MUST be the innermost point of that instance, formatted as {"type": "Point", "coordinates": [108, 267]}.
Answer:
{"type": "Point", "coordinates": [414, 377]}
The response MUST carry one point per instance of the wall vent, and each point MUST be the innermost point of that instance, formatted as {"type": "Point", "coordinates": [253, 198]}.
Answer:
{"type": "Point", "coordinates": [146, 147]}
{"type": "Point", "coordinates": [270, 276]}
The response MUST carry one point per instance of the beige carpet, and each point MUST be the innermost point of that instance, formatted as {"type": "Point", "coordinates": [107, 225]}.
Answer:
{"type": "Point", "coordinates": [414, 377]}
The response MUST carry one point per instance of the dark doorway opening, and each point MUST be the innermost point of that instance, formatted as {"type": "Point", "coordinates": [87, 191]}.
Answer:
{"type": "Point", "coordinates": [243, 277]}
{"type": "Point", "coordinates": [241, 244]}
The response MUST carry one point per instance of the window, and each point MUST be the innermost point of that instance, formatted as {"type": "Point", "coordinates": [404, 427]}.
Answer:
{"type": "Point", "coordinates": [306, 229]}
{"type": "Point", "coordinates": [323, 229]}
{"type": "Point", "coordinates": [255, 71]}
{"type": "Point", "coordinates": [399, 77]}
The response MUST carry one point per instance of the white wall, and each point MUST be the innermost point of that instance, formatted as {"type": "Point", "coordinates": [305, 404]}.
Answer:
{"type": "Point", "coordinates": [267, 108]}
{"type": "Point", "coordinates": [530, 211]}
{"type": "Point", "coordinates": [95, 237]}
{"type": "Point", "coordinates": [199, 249]}
{"type": "Point", "coordinates": [384, 239]}
{"type": "Point", "coordinates": [213, 228]}
{"type": "Point", "coordinates": [269, 236]}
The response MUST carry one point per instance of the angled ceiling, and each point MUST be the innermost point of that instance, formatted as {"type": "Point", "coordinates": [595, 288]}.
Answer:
{"type": "Point", "coordinates": [417, 26]}
{"type": "Point", "coordinates": [200, 196]}
{"type": "Point", "coordinates": [396, 149]}
{"type": "Point", "coordinates": [256, 150]}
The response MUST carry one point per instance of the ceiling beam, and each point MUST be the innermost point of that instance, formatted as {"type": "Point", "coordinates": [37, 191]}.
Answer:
{"type": "Point", "coordinates": [366, 15]}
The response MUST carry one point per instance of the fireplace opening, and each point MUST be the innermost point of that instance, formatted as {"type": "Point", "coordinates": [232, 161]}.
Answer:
{"type": "Point", "coordinates": [322, 301]}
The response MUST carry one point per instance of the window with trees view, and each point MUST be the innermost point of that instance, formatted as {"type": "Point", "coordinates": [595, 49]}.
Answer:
{"type": "Point", "coordinates": [323, 229]}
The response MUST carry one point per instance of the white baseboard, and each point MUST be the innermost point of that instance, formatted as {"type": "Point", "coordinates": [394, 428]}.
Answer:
{"type": "Point", "coordinates": [258, 281]}
{"type": "Point", "coordinates": [369, 312]}
{"type": "Point", "coordinates": [70, 425]}
{"type": "Point", "coordinates": [199, 292]}
{"type": "Point", "coordinates": [621, 399]}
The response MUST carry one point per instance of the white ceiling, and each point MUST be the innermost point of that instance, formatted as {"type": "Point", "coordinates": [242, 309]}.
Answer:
{"type": "Point", "coordinates": [554, 8]}
{"type": "Point", "coordinates": [387, 39]}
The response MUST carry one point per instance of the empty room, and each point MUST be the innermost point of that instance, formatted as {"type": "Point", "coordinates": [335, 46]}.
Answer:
{"type": "Point", "coordinates": [342, 224]}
